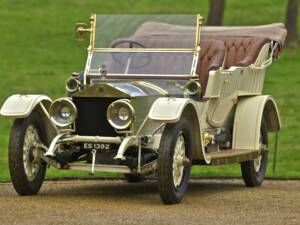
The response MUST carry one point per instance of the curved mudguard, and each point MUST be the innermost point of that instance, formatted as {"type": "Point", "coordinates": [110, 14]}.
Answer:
{"type": "Point", "coordinates": [248, 117]}
{"type": "Point", "coordinates": [20, 106]}
{"type": "Point", "coordinates": [168, 110]}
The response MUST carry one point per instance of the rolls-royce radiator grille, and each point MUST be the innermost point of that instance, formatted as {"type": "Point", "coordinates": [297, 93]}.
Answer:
{"type": "Point", "coordinates": [91, 117]}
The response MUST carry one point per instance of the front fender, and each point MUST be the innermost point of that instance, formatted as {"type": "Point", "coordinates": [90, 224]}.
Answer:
{"type": "Point", "coordinates": [248, 117]}
{"type": "Point", "coordinates": [20, 106]}
{"type": "Point", "coordinates": [168, 110]}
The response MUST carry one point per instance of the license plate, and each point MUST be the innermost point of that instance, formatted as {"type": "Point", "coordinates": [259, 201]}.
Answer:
{"type": "Point", "coordinates": [97, 146]}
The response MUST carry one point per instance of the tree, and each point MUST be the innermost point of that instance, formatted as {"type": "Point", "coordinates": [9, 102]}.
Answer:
{"type": "Point", "coordinates": [216, 12]}
{"type": "Point", "coordinates": [291, 23]}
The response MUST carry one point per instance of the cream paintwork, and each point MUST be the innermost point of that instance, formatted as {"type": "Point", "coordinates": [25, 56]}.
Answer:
{"type": "Point", "coordinates": [232, 94]}
{"type": "Point", "coordinates": [126, 143]}
{"type": "Point", "coordinates": [247, 122]}
{"type": "Point", "coordinates": [20, 106]}
{"type": "Point", "coordinates": [168, 110]}
{"type": "Point", "coordinates": [232, 98]}
{"type": "Point", "coordinates": [226, 86]}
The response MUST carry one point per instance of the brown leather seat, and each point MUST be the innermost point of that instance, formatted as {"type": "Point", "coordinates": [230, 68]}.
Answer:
{"type": "Point", "coordinates": [241, 51]}
{"type": "Point", "coordinates": [211, 58]}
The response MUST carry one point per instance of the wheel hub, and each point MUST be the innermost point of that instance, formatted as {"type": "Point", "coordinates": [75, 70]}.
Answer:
{"type": "Point", "coordinates": [179, 161]}
{"type": "Point", "coordinates": [31, 153]}
{"type": "Point", "coordinates": [257, 161]}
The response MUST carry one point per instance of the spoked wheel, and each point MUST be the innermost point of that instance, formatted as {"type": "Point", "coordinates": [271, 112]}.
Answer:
{"type": "Point", "coordinates": [253, 171]}
{"type": "Point", "coordinates": [27, 169]}
{"type": "Point", "coordinates": [174, 162]}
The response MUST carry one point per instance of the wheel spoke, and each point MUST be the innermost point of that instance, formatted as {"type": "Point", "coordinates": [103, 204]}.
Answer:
{"type": "Point", "coordinates": [257, 161]}
{"type": "Point", "coordinates": [178, 167]}
{"type": "Point", "coordinates": [31, 156]}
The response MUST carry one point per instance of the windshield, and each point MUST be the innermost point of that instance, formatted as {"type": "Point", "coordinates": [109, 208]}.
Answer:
{"type": "Point", "coordinates": [109, 28]}
{"type": "Point", "coordinates": [143, 44]}
{"type": "Point", "coordinates": [142, 62]}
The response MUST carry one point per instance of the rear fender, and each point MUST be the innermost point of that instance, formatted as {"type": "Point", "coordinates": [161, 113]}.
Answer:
{"type": "Point", "coordinates": [248, 117]}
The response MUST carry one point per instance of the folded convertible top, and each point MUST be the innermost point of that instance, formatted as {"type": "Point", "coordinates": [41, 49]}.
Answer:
{"type": "Point", "coordinates": [275, 31]}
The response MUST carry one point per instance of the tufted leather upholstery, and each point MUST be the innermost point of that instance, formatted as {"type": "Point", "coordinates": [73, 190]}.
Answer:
{"type": "Point", "coordinates": [211, 58]}
{"type": "Point", "coordinates": [241, 51]}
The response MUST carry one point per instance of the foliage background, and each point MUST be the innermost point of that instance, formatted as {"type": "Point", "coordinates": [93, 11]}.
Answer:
{"type": "Point", "coordinates": [38, 51]}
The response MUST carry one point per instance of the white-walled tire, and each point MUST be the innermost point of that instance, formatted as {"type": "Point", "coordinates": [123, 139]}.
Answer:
{"type": "Point", "coordinates": [174, 162]}
{"type": "Point", "coordinates": [27, 169]}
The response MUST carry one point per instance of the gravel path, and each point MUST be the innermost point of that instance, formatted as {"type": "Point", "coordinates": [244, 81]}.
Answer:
{"type": "Point", "coordinates": [117, 202]}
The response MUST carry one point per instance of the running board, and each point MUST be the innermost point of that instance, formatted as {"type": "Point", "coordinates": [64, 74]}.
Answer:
{"type": "Point", "coordinates": [145, 169]}
{"type": "Point", "coordinates": [232, 156]}
{"type": "Point", "coordinates": [100, 168]}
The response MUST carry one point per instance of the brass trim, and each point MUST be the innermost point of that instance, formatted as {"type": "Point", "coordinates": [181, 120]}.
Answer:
{"type": "Point", "coordinates": [207, 138]}
{"type": "Point", "coordinates": [67, 86]}
{"type": "Point", "coordinates": [110, 120]}
{"type": "Point", "coordinates": [143, 76]}
{"type": "Point", "coordinates": [93, 29]}
{"type": "Point", "coordinates": [187, 50]}
{"type": "Point", "coordinates": [58, 101]}
{"type": "Point", "coordinates": [190, 82]}
{"type": "Point", "coordinates": [199, 20]}
{"type": "Point", "coordinates": [198, 30]}
{"type": "Point", "coordinates": [195, 50]}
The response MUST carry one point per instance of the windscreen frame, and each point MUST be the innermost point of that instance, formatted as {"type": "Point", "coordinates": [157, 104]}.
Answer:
{"type": "Point", "coordinates": [191, 75]}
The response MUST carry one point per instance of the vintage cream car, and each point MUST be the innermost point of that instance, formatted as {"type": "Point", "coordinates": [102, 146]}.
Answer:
{"type": "Point", "coordinates": [154, 98]}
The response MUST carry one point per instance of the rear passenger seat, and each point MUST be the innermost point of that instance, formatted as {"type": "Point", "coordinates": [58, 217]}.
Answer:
{"type": "Point", "coordinates": [211, 58]}
{"type": "Point", "coordinates": [241, 51]}
{"type": "Point", "coordinates": [216, 51]}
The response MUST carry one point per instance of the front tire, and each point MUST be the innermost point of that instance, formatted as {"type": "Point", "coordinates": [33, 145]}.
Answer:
{"type": "Point", "coordinates": [253, 171]}
{"type": "Point", "coordinates": [174, 162]}
{"type": "Point", "coordinates": [27, 170]}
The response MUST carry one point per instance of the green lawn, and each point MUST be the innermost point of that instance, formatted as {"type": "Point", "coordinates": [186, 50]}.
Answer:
{"type": "Point", "coordinates": [38, 51]}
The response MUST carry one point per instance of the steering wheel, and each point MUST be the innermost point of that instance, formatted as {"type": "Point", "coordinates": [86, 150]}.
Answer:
{"type": "Point", "coordinates": [137, 59]}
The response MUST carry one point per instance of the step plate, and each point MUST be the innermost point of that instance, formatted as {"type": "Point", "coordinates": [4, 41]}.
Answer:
{"type": "Point", "coordinates": [232, 156]}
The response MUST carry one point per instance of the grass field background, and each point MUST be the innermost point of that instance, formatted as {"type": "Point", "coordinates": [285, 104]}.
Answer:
{"type": "Point", "coordinates": [38, 52]}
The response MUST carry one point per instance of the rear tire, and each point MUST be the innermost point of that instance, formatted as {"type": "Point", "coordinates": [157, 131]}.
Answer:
{"type": "Point", "coordinates": [134, 178]}
{"type": "Point", "coordinates": [27, 170]}
{"type": "Point", "coordinates": [172, 173]}
{"type": "Point", "coordinates": [253, 171]}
